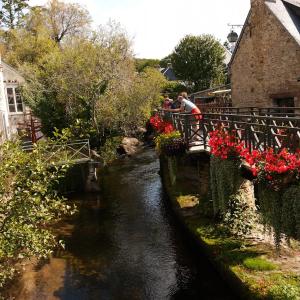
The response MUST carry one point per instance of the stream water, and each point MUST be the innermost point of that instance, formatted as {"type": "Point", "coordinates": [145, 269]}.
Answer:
{"type": "Point", "coordinates": [125, 244]}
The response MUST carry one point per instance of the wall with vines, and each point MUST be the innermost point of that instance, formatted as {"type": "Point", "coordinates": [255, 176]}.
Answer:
{"type": "Point", "coordinates": [280, 210]}
{"type": "Point", "coordinates": [232, 196]}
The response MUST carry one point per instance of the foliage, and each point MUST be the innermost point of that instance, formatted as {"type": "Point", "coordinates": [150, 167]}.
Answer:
{"type": "Point", "coordinates": [165, 61]}
{"type": "Point", "coordinates": [284, 292]}
{"type": "Point", "coordinates": [109, 97]}
{"type": "Point", "coordinates": [142, 63]}
{"type": "Point", "coordinates": [174, 88]}
{"type": "Point", "coordinates": [224, 181]}
{"type": "Point", "coordinates": [198, 61]}
{"type": "Point", "coordinates": [29, 204]}
{"type": "Point", "coordinates": [277, 173]}
{"type": "Point", "coordinates": [240, 217]}
{"type": "Point", "coordinates": [164, 140]}
{"type": "Point", "coordinates": [258, 264]}
{"type": "Point", "coordinates": [66, 19]}
{"type": "Point", "coordinates": [281, 211]}
{"type": "Point", "coordinates": [266, 165]}
{"type": "Point", "coordinates": [109, 149]}
{"type": "Point", "coordinates": [11, 12]}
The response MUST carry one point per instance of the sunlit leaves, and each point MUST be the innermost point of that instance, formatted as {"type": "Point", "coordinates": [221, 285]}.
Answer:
{"type": "Point", "coordinates": [29, 204]}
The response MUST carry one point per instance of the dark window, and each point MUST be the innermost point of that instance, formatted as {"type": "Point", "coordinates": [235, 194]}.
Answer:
{"type": "Point", "coordinates": [285, 105]}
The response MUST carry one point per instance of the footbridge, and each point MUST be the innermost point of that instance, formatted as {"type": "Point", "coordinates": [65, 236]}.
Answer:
{"type": "Point", "coordinates": [73, 152]}
{"type": "Point", "coordinates": [259, 128]}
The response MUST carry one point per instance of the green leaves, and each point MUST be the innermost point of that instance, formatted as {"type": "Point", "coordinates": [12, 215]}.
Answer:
{"type": "Point", "coordinates": [29, 204]}
{"type": "Point", "coordinates": [198, 60]}
{"type": "Point", "coordinates": [11, 12]}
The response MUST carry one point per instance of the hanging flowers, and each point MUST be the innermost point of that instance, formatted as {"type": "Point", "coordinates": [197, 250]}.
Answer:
{"type": "Point", "coordinates": [160, 125]}
{"type": "Point", "coordinates": [266, 165]}
{"type": "Point", "coordinates": [224, 144]}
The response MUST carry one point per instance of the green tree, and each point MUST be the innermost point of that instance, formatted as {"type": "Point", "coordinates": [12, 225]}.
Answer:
{"type": "Point", "coordinates": [142, 63]}
{"type": "Point", "coordinates": [198, 61]}
{"type": "Point", "coordinates": [12, 12]}
{"type": "Point", "coordinates": [95, 81]}
{"type": "Point", "coordinates": [165, 61]}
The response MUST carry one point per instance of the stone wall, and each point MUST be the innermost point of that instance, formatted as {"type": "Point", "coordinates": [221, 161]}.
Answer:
{"type": "Point", "coordinates": [267, 61]}
{"type": "Point", "coordinates": [214, 181]}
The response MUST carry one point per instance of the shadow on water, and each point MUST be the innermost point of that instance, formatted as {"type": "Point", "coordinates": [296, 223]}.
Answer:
{"type": "Point", "coordinates": [124, 244]}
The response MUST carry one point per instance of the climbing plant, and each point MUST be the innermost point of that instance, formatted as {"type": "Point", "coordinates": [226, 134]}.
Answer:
{"type": "Point", "coordinates": [280, 210]}
{"type": "Point", "coordinates": [225, 181]}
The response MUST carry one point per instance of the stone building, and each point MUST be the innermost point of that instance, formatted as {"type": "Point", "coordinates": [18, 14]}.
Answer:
{"type": "Point", "coordinates": [265, 66]}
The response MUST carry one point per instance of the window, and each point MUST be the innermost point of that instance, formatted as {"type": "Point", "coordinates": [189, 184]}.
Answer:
{"type": "Point", "coordinates": [285, 105]}
{"type": "Point", "coordinates": [14, 99]}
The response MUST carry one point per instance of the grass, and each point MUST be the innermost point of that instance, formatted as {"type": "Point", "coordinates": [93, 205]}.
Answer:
{"type": "Point", "coordinates": [259, 264]}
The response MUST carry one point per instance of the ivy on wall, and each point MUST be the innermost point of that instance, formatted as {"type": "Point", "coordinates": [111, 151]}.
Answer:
{"type": "Point", "coordinates": [225, 181]}
{"type": "Point", "coordinates": [280, 210]}
{"type": "Point", "coordinates": [230, 203]}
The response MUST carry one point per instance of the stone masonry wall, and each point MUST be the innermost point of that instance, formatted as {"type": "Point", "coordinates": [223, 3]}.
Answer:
{"type": "Point", "coordinates": [267, 62]}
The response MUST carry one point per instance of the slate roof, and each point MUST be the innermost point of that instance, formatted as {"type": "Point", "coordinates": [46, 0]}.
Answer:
{"type": "Point", "coordinates": [168, 73]}
{"type": "Point", "coordinates": [286, 11]}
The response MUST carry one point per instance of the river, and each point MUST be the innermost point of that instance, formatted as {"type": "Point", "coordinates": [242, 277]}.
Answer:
{"type": "Point", "coordinates": [125, 244]}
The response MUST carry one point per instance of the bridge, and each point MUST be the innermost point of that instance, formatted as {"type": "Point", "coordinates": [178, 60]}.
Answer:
{"type": "Point", "coordinates": [258, 128]}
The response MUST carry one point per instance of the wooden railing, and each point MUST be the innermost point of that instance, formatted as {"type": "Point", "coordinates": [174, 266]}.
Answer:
{"type": "Point", "coordinates": [265, 111]}
{"type": "Point", "coordinates": [258, 131]}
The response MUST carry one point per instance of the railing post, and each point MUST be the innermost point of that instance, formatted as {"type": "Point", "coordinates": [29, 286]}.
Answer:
{"type": "Point", "coordinates": [204, 133]}
{"type": "Point", "coordinates": [186, 128]}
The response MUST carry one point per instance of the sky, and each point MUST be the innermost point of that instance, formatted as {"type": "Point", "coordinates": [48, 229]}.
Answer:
{"type": "Point", "coordinates": [156, 26]}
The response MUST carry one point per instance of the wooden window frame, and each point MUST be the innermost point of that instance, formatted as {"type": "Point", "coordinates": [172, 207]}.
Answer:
{"type": "Point", "coordinates": [16, 112]}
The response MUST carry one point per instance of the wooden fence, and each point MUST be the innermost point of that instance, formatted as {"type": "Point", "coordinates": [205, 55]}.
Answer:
{"type": "Point", "coordinates": [260, 129]}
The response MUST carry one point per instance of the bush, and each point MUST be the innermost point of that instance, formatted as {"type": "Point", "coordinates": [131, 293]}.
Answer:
{"type": "Point", "coordinates": [29, 204]}
{"type": "Point", "coordinates": [108, 152]}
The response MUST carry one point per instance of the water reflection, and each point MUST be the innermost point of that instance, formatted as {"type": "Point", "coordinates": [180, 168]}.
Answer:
{"type": "Point", "coordinates": [124, 245]}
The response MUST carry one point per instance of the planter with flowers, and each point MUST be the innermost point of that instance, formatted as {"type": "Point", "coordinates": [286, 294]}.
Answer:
{"type": "Point", "coordinates": [170, 144]}
{"type": "Point", "coordinates": [277, 176]}
{"type": "Point", "coordinates": [168, 141]}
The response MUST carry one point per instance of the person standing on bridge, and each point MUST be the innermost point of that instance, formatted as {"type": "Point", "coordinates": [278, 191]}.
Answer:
{"type": "Point", "coordinates": [191, 108]}
{"type": "Point", "coordinates": [186, 106]}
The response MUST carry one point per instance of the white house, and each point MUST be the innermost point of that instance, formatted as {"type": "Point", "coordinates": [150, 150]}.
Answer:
{"type": "Point", "coordinates": [12, 109]}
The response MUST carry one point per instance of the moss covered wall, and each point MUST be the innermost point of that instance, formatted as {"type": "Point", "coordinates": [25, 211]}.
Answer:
{"type": "Point", "coordinates": [230, 197]}
{"type": "Point", "coordinates": [189, 172]}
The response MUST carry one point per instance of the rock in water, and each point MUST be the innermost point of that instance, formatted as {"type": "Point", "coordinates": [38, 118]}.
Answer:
{"type": "Point", "coordinates": [129, 146]}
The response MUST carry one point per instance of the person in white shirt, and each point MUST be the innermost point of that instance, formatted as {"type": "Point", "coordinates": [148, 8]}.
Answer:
{"type": "Point", "coordinates": [189, 107]}
{"type": "Point", "coordinates": [186, 106]}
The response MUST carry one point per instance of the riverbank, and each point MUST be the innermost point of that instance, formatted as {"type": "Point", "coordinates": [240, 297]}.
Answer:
{"type": "Point", "coordinates": [252, 268]}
